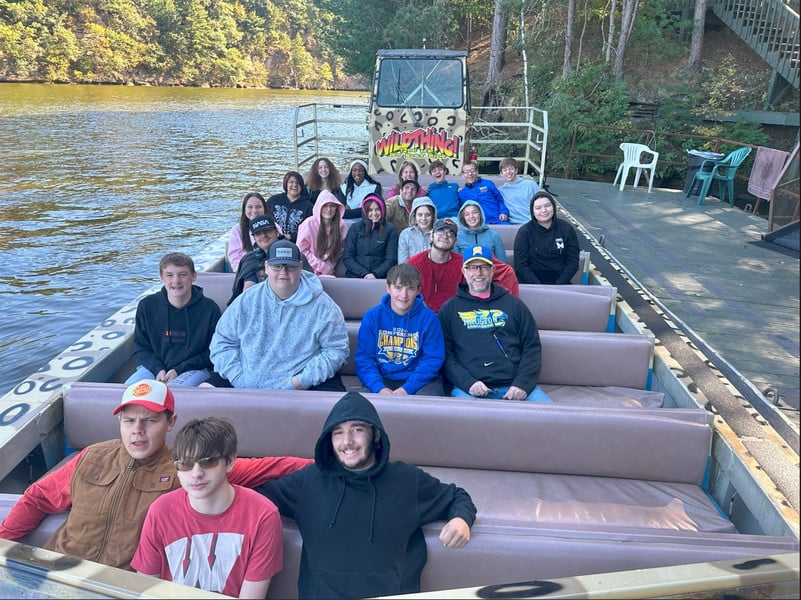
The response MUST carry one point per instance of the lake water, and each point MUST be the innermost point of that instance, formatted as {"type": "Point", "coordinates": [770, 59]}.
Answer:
{"type": "Point", "coordinates": [97, 183]}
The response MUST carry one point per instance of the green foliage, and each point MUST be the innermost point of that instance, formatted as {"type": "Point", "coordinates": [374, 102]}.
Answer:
{"type": "Point", "coordinates": [586, 97]}
{"type": "Point", "coordinates": [190, 42]}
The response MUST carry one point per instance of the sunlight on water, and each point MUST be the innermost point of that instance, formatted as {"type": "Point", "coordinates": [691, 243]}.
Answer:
{"type": "Point", "coordinates": [98, 182]}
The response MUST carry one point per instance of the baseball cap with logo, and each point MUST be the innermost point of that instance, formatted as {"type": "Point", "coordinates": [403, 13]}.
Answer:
{"type": "Point", "coordinates": [262, 222]}
{"type": "Point", "coordinates": [150, 394]}
{"type": "Point", "coordinates": [481, 253]}
{"type": "Point", "coordinates": [284, 252]}
{"type": "Point", "coordinates": [446, 224]}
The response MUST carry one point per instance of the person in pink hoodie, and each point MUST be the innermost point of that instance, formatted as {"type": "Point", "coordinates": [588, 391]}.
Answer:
{"type": "Point", "coordinates": [321, 237]}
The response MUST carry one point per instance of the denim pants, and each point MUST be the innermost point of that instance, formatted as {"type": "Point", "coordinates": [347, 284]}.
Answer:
{"type": "Point", "coordinates": [497, 393]}
{"type": "Point", "coordinates": [185, 379]}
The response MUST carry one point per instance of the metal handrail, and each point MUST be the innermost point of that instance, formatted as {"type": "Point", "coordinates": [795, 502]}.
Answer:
{"type": "Point", "coordinates": [339, 132]}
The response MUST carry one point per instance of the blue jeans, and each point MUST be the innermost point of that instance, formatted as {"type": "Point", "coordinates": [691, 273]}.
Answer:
{"type": "Point", "coordinates": [185, 379]}
{"type": "Point", "coordinates": [497, 393]}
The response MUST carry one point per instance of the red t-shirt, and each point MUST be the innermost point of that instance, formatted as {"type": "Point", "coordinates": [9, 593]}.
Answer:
{"type": "Point", "coordinates": [439, 280]}
{"type": "Point", "coordinates": [215, 553]}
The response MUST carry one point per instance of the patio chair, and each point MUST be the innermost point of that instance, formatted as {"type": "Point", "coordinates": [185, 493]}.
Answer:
{"type": "Point", "coordinates": [722, 171]}
{"type": "Point", "coordinates": [632, 159]}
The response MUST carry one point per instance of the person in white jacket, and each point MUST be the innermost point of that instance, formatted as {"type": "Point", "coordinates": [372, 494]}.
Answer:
{"type": "Point", "coordinates": [284, 333]}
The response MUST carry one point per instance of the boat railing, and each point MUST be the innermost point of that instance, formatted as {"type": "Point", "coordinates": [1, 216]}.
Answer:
{"type": "Point", "coordinates": [334, 130]}
{"type": "Point", "coordinates": [339, 132]}
{"type": "Point", "coordinates": [519, 131]}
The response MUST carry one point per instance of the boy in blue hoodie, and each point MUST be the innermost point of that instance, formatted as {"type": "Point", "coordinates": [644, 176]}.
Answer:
{"type": "Point", "coordinates": [400, 347]}
{"type": "Point", "coordinates": [360, 515]}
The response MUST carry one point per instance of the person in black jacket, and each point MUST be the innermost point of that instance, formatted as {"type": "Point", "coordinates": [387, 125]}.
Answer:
{"type": "Point", "coordinates": [371, 246]}
{"type": "Point", "coordinates": [174, 327]}
{"type": "Point", "coordinates": [290, 207]}
{"type": "Point", "coordinates": [492, 345]}
{"type": "Point", "coordinates": [360, 515]}
{"type": "Point", "coordinates": [251, 268]}
{"type": "Point", "coordinates": [546, 248]}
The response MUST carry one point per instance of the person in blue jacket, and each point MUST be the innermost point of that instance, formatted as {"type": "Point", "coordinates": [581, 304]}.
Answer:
{"type": "Point", "coordinates": [444, 193]}
{"type": "Point", "coordinates": [371, 245]}
{"type": "Point", "coordinates": [474, 231]}
{"type": "Point", "coordinates": [485, 193]}
{"type": "Point", "coordinates": [400, 347]}
{"type": "Point", "coordinates": [360, 515]}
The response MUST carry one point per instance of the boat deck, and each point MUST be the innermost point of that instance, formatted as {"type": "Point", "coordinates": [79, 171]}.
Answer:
{"type": "Point", "coordinates": [733, 301]}
{"type": "Point", "coordinates": [708, 266]}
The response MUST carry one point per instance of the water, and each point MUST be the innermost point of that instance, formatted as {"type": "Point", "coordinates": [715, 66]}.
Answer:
{"type": "Point", "coordinates": [97, 183]}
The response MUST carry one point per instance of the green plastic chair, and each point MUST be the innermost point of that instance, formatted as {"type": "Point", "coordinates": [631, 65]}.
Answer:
{"type": "Point", "coordinates": [721, 170]}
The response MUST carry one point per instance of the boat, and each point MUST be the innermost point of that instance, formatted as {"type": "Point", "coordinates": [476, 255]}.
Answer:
{"type": "Point", "coordinates": [31, 415]}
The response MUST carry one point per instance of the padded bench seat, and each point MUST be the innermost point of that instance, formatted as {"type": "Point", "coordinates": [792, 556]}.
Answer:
{"type": "Point", "coordinates": [561, 491]}
{"type": "Point", "coordinates": [552, 465]}
{"type": "Point", "coordinates": [568, 308]}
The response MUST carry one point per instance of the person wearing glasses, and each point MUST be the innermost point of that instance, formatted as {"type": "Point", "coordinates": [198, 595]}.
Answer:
{"type": "Point", "coordinates": [492, 345]}
{"type": "Point", "coordinates": [484, 192]}
{"type": "Point", "coordinates": [441, 268]}
{"type": "Point", "coordinates": [285, 333]}
{"type": "Point", "coordinates": [211, 534]}
{"type": "Point", "coordinates": [107, 488]}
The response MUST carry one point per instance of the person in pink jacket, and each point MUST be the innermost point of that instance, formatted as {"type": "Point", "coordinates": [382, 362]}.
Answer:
{"type": "Point", "coordinates": [321, 237]}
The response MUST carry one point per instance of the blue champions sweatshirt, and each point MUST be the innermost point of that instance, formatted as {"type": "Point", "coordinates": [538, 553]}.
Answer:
{"type": "Point", "coordinates": [406, 347]}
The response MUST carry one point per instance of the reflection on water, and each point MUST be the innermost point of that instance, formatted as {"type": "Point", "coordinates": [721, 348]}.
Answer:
{"type": "Point", "coordinates": [98, 182]}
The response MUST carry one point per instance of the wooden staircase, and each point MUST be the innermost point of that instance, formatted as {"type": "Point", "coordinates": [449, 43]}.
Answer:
{"type": "Point", "coordinates": [770, 27]}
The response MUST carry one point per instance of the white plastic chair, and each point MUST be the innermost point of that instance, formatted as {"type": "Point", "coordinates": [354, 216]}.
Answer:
{"type": "Point", "coordinates": [632, 156]}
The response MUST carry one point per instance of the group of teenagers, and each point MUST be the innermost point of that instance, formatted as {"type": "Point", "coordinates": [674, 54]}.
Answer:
{"type": "Point", "coordinates": [447, 324]}
{"type": "Point", "coordinates": [197, 514]}
{"type": "Point", "coordinates": [355, 224]}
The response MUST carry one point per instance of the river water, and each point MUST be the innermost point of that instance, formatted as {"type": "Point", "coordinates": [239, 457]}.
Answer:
{"type": "Point", "coordinates": [97, 183]}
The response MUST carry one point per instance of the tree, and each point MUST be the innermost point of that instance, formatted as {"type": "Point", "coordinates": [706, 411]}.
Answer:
{"type": "Point", "coordinates": [500, 22]}
{"type": "Point", "coordinates": [571, 17]}
{"type": "Point", "coordinates": [629, 11]}
{"type": "Point", "coordinates": [697, 43]}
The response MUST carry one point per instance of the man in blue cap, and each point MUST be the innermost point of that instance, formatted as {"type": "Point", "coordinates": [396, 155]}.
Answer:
{"type": "Point", "coordinates": [492, 346]}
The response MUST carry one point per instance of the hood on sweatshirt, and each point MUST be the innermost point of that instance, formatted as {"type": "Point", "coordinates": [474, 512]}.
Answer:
{"type": "Point", "coordinates": [351, 407]}
{"type": "Point", "coordinates": [381, 206]}
{"type": "Point", "coordinates": [538, 195]}
{"type": "Point", "coordinates": [326, 197]}
{"type": "Point", "coordinates": [482, 225]}
{"type": "Point", "coordinates": [418, 202]}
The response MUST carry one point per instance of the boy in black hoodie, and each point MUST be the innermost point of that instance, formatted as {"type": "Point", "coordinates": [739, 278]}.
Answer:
{"type": "Point", "coordinates": [174, 327]}
{"type": "Point", "coordinates": [360, 515]}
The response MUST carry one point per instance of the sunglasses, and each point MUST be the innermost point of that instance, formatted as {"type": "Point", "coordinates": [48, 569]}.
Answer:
{"type": "Point", "coordinates": [205, 463]}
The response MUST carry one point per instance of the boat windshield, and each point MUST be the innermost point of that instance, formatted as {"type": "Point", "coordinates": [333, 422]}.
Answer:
{"type": "Point", "coordinates": [420, 83]}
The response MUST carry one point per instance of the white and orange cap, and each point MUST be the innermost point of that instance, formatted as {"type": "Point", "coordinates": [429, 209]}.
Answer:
{"type": "Point", "coordinates": [150, 394]}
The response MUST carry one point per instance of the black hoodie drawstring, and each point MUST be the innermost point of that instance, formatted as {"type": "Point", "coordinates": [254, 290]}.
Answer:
{"type": "Point", "coordinates": [372, 510]}
{"type": "Point", "coordinates": [371, 538]}
{"type": "Point", "coordinates": [336, 510]}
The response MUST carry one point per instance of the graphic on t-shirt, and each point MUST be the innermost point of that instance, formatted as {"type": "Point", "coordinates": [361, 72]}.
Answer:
{"type": "Point", "coordinates": [397, 345]}
{"type": "Point", "coordinates": [204, 560]}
